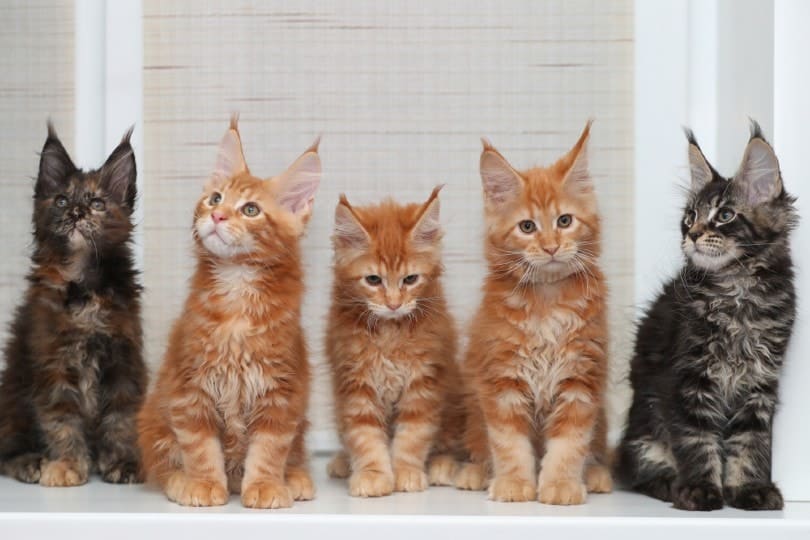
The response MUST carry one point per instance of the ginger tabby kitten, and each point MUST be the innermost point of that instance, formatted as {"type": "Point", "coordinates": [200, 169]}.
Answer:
{"type": "Point", "coordinates": [391, 344]}
{"type": "Point", "coordinates": [536, 361]}
{"type": "Point", "coordinates": [228, 410]}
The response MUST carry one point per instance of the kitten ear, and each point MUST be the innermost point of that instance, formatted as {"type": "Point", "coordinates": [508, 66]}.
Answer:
{"type": "Point", "coordinates": [502, 184]}
{"type": "Point", "coordinates": [118, 174]}
{"type": "Point", "coordinates": [298, 184]}
{"type": "Point", "coordinates": [230, 158]}
{"type": "Point", "coordinates": [759, 173]}
{"type": "Point", "coordinates": [349, 232]}
{"type": "Point", "coordinates": [699, 168]}
{"type": "Point", "coordinates": [578, 177]}
{"type": "Point", "coordinates": [428, 230]}
{"type": "Point", "coordinates": [55, 165]}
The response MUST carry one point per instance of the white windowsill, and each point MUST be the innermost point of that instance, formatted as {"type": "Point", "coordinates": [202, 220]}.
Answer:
{"type": "Point", "coordinates": [100, 510]}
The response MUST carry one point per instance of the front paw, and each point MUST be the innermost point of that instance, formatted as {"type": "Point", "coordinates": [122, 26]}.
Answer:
{"type": "Point", "coordinates": [301, 486]}
{"type": "Point", "coordinates": [442, 470]}
{"type": "Point", "coordinates": [188, 491]}
{"type": "Point", "coordinates": [122, 472]}
{"type": "Point", "coordinates": [407, 478]}
{"type": "Point", "coordinates": [266, 495]}
{"type": "Point", "coordinates": [508, 489]}
{"type": "Point", "coordinates": [563, 491]}
{"type": "Point", "coordinates": [700, 496]}
{"type": "Point", "coordinates": [63, 473]}
{"type": "Point", "coordinates": [755, 497]}
{"type": "Point", "coordinates": [598, 479]}
{"type": "Point", "coordinates": [370, 484]}
{"type": "Point", "coordinates": [472, 476]}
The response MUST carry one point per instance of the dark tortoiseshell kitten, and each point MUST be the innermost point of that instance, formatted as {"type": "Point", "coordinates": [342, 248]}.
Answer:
{"type": "Point", "coordinates": [710, 348]}
{"type": "Point", "coordinates": [74, 376]}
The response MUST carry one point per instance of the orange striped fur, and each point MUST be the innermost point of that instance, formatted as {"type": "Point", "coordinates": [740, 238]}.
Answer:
{"type": "Point", "coordinates": [391, 347]}
{"type": "Point", "coordinates": [536, 361]}
{"type": "Point", "coordinates": [227, 413]}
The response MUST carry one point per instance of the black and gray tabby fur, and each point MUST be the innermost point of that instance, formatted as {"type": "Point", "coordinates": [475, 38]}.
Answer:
{"type": "Point", "coordinates": [710, 348]}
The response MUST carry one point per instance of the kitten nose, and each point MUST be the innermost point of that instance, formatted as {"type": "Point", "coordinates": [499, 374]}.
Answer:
{"type": "Point", "coordinates": [551, 250]}
{"type": "Point", "coordinates": [77, 212]}
{"type": "Point", "coordinates": [218, 216]}
{"type": "Point", "coordinates": [694, 235]}
{"type": "Point", "coordinates": [393, 307]}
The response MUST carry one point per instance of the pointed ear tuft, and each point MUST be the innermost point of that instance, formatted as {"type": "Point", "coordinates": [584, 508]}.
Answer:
{"type": "Point", "coordinates": [699, 169]}
{"type": "Point", "coordinates": [502, 184]}
{"type": "Point", "coordinates": [349, 232]}
{"type": "Point", "coordinates": [230, 158]}
{"type": "Point", "coordinates": [298, 184]}
{"type": "Point", "coordinates": [119, 173]}
{"type": "Point", "coordinates": [759, 175]}
{"type": "Point", "coordinates": [55, 166]}
{"type": "Point", "coordinates": [578, 177]}
{"type": "Point", "coordinates": [428, 229]}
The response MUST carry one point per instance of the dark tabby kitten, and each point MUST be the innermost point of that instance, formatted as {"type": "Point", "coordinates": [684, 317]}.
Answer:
{"type": "Point", "coordinates": [709, 350]}
{"type": "Point", "coordinates": [74, 376]}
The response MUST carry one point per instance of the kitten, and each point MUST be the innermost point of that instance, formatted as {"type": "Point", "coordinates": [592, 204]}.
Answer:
{"type": "Point", "coordinates": [74, 376]}
{"type": "Point", "coordinates": [391, 345]}
{"type": "Point", "coordinates": [536, 360]}
{"type": "Point", "coordinates": [709, 349]}
{"type": "Point", "coordinates": [228, 410]}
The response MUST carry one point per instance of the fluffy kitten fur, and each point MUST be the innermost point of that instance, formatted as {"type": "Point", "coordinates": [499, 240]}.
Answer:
{"type": "Point", "coordinates": [228, 410]}
{"type": "Point", "coordinates": [74, 377]}
{"type": "Point", "coordinates": [536, 361]}
{"type": "Point", "coordinates": [710, 348]}
{"type": "Point", "coordinates": [391, 345]}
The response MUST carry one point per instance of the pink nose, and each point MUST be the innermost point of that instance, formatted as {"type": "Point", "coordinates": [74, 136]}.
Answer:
{"type": "Point", "coordinates": [218, 216]}
{"type": "Point", "coordinates": [551, 250]}
{"type": "Point", "coordinates": [394, 307]}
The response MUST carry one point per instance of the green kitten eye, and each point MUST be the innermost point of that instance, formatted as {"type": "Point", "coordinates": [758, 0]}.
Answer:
{"type": "Point", "coordinates": [61, 201]}
{"type": "Point", "coordinates": [564, 221]}
{"type": "Point", "coordinates": [725, 214]}
{"type": "Point", "coordinates": [215, 198]}
{"type": "Point", "coordinates": [251, 209]}
{"type": "Point", "coordinates": [98, 205]}
{"type": "Point", "coordinates": [527, 226]}
{"type": "Point", "coordinates": [410, 279]}
{"type": "Point", "coordinates": [373, 280]}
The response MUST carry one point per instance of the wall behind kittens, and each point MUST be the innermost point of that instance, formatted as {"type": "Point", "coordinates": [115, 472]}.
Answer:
{"type": "Point", "coordinates": [401, 93]}
{"type": "Point", "coordinates": [36, 60]}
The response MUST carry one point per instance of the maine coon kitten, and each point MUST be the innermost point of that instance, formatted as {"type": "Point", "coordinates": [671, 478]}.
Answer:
{"type": "Point", "coordinates": [536, 360]}
{"type": "Point", "coordinates": [74, 377]}
{"type": "Point", "coordinates": [391, 345]}
{"type": "Point", "coordinates": [228, 411]}
{"type": "Point", "coordinates": [709, 349]}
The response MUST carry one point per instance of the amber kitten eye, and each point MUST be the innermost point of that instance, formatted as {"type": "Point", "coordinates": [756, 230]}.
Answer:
{"type": "Point", "coordinates": [251, 209]}
{"type": "Point", "coordinates": [98, 205]}
{"type": "Point", "coordinates": [61, 201]}
{"type": "Point", "coordinates": [373, 280]}
{"type": "Point", "coordinates": [564, 221]}
{"type": "Point", "coordinates": [527, 226]}
{"type": "Point", "coordinates": [690, 218]}
{"type": "Point", "coordinates": [725, 214]}
{"type": "Point", "coordinates": [410, 279]}
{"type": "Point", "coordinates": [215, 198]}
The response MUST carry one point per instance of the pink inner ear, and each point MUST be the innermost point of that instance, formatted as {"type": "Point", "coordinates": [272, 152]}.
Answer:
{"type": "Point", "coordinates": [348, 232]}
{"type": "Point", "coordinates": [501, 183]}
{"type": "Point", "coordinates": [428, 228]}
{"type": "Point", "coordinates": [230, 159]}
{"type": "Point", "coordinates": [299, 183]}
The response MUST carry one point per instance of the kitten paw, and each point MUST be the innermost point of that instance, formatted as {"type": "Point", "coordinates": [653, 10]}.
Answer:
{"type": "Point", "coordinates": [598, 479]}
{"type": "Point", "coordinates": [700, 496]}
{"type": "Point", "coordinates": [410, 479]}
{"type": "Point", "coordinates": [472, 476]}
{"type": "Point", "coordinates": [301, 486]}
{"type": "Point", "coordinates": [755, 497]}
{"type": "Point", "coordinates": [63, 473]}
{"type": "Point", "coordinates": [507, 489]}
{"type": "Point", "coordinates": [371, 484]}
{"type": "Point", "coordinates": [25, 468]}
{"type": "Point", "coordinates": [195, 491]}
{"type": "Point", "coordinates": [123, 472]}
{"type": "Point", "coordinates": [564, 491]}
{"type": "Point", "coordinates": [339, 466]}
{"type": "Point", "coordinates": [442, 470]}
{"type": "Point", "coordinates": [659, 488]}
{"type": "Point", "coordinates": [266, 495]}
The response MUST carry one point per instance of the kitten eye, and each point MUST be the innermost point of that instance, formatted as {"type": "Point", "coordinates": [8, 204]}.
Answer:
{"type": "Point", "coordinates": [690, 218]}
{"type": "Point", "coordinates": [61, 201]}
{"type": "Point", "coordinates": [215, 198]}
{"type": "Point", "coordinates": [725, 214]}
{"type": "Point", "coordinates": [564, 221]}
{"type": "Point", "coordinates": [251, 209]}
{"type": "Point", "coordinates": [410, 279]}
{"type": "Point", "coordinates": [98, 205]}
{"type": "Point", "coordinates": [373, 280]}
{"type": "Point", "coordinates": [527, 226]}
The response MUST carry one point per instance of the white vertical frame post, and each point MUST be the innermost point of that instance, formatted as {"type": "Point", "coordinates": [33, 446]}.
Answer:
{"type": "Point", "coordinates": [89, 92]}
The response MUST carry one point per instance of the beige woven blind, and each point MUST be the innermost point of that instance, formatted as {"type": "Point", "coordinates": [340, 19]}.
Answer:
{"type": "Point", "coordinates": [401, 92]}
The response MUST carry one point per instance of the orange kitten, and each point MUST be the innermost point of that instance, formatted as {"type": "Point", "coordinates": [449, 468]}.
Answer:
{"type": "Point", "coordinates": [391, 344]}
{"type": "Point", "coordinates": [536, 361]}
{"type": "Point", "coordinates": [228, 410]}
